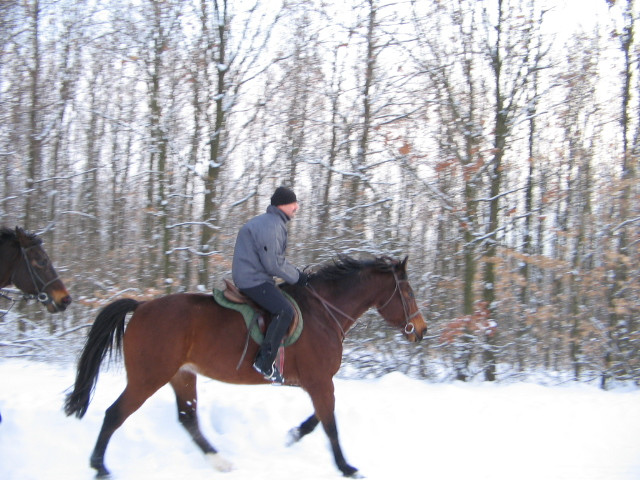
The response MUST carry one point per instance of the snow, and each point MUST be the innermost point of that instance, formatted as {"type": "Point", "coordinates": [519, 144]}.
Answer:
{"type": "Point", "coordinates": [392, 427]}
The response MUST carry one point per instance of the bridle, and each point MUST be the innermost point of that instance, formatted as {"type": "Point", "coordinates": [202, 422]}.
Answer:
{"type": "Point", "coordinates": [40, 295]}
{"type": "Point", "coordinates": [409, 327]}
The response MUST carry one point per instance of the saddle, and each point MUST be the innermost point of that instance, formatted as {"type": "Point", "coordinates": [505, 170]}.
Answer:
{"type": "Point", "coordinates": [256, 318]}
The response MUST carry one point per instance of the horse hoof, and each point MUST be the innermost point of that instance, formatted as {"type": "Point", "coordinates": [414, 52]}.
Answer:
{"type": "Point", "coordinates": [101, 470]}
{"type": "Point", "coordinates": [293, 436]}
{"type": "Point", "coordinates": [219, 462]}
{"type": "Point", "coordinates": [351, 472]}
{"type": "Point", "coordinates": [103, 473]}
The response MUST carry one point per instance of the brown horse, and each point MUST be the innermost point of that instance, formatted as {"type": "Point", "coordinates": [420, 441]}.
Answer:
{"type": "Point", "coordinates": [25, 264]}
{"type": "Point", "coordinates": [171, 338]}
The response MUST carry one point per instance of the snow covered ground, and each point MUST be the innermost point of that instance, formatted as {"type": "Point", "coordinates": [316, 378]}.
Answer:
{"type": "Point", "coordinates": [391, 428]}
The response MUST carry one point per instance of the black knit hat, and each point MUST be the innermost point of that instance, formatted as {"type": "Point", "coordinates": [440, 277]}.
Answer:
{"type": "Point", "coordinates": [283, 196]}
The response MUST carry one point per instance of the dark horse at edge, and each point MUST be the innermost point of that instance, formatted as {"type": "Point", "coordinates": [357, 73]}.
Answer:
{"type": "Point", "coordinates": [25, 265]}
{"type": "Point", "coordinates": [172, 338]}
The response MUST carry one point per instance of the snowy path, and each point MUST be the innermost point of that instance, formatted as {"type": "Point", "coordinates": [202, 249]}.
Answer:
{"type": "Point", "coordinates": [391, 428]}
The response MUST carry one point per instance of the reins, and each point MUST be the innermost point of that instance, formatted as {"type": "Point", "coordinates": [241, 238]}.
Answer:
{"type": "Point", "coordinates": [329, 307]}
{"type": "Point", "coordinates": [4, 293]}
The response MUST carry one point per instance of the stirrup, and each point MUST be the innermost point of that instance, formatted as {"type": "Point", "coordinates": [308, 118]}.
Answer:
{"type": "Point", "coordinates": [273, 375]}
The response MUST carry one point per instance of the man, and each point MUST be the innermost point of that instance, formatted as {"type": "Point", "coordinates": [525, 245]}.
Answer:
{"type": "Point", "coordinates": [259, 256]}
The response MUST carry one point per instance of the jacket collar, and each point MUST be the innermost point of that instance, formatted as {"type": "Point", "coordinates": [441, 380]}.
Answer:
{"type": "Point", "coordinates": [276, 211]}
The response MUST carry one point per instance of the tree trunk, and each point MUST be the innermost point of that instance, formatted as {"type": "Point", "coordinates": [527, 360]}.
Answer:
{"type": "Point", "coordinates": [216, 148]}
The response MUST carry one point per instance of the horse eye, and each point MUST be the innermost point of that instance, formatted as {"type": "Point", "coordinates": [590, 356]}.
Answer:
{"type": "Point", "coordinates": [41, 262]}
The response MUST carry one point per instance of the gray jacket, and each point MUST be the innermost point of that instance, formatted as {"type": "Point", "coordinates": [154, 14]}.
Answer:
{"type": "Point", "coordinates": [259, 251]}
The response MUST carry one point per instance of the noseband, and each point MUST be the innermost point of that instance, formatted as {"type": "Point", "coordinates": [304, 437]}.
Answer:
{"type": "Point", "coordinates": [40, 295]}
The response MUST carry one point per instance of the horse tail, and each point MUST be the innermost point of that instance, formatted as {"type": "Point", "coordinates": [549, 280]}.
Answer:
{"type": "Point", "coordinates": [105, 334]}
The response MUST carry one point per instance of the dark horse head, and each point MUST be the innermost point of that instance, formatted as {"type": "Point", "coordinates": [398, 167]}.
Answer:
{"type": "Point", "coordinates": [407, 314]}
{"type": "Point", "coordinates": [25, 264]}
{"type": "Point", "coordinates": [379, 282]}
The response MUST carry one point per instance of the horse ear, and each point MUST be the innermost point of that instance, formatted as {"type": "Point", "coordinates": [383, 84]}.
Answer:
{"type": "Point", "coordinates": [21, 235]}
{"type": "Point", "coordinates": [403, 264]}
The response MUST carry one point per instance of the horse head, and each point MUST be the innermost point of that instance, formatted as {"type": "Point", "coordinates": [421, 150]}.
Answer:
{"type": "Point", "coordinates": [34, 274]}
{"type": "Point", "coordinates": [400, 308]}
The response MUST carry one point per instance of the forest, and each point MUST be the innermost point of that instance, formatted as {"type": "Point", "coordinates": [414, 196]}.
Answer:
{"type": "Point", "coordinates": [495, 143]}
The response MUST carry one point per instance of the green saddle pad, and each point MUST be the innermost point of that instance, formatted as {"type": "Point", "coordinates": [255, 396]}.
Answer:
{"type": "Point", "coordinates": [250, 317]}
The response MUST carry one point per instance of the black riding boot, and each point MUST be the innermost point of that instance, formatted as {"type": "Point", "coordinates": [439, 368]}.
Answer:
{"type": "Point", "coordinates": [265, 360]}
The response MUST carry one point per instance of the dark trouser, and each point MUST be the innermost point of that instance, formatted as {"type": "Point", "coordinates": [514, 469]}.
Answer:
{"type": "Point", "coordinates": [269, 297]}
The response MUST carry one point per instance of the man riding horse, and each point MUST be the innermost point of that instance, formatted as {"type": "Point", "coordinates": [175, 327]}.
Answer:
{"type": "Point", "coordinates": [258, 257]}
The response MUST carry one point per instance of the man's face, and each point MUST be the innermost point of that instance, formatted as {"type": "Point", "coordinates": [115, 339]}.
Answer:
{"type": "Point", "coordinates": [289, 209]}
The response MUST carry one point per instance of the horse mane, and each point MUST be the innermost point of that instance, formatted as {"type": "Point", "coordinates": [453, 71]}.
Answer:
{"type": "Point", "coordinates": [334, 274]}
{"type": "Point", "coordinates": [9, 235]}
{"type": "Point", "coordinates": [345, 267]}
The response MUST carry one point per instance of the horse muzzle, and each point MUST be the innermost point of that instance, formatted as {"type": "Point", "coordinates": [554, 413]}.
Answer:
{"type": "Point", "coordinates": [58, 302]}
{"type": "Point", "coordinates": [415, 329]}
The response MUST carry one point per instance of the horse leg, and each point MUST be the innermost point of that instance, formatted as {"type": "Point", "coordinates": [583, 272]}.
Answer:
{"type": "Point", "coordinates": [323, 399]}
{"type": "Point", "coordinates": [305, 428]}
{"type": "Point", "coordinates": [127, 403]}
{"type": "Point", "coordinates": [184, 386]}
